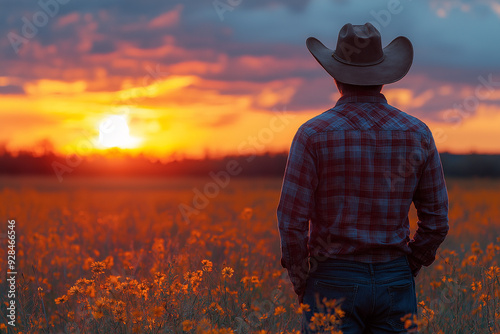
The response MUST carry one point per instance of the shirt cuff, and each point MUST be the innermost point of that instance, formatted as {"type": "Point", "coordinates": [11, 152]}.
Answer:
{"type": "Point", "coordinates": [298, 277]}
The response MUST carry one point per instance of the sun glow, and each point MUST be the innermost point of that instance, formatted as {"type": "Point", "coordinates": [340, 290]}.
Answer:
{"type": "Point", "coordinates": [114, 132]}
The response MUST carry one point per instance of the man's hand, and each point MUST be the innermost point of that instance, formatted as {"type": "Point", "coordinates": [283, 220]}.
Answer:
{"type": "Point", "coordinates": [301, 291]}
{"type": "Point", "coordinates": [301, 297]}
{"type": "Point", "coordinates": [414, 267]}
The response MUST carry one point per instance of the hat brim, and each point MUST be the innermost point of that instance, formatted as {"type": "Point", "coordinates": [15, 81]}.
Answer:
{"type": "Point", "coordinates": [398, 57]}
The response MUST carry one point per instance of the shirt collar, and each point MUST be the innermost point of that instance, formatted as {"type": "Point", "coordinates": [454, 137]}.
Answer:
{"type": "Point", "coordinates": [362, 98]}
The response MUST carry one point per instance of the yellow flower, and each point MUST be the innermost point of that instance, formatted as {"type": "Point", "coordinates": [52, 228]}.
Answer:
{"type": "Point", "coordinates": [119, 312]}
{"type": "Point", "coordinates": [62, 299]}
{"type": "Point", "coordinates": [207, 265]}
{"type": "Point", "coordinates": [188, 275]}
{"type": "Point", "coordinates": [303, 308]}
{"type": "Point", "coordinates": [338, 312]}
{"type": "Point", "coordinates": [227, 272]}
{"type": "Point", "coordinates": [109, 262]}
{"type": "Point", "coordinates": [216, 307]}
{"type": "Point", "coordinates": [246, 214]}
{"type": "Point", "coordinates": [330, 304]}
{"type": "Point", "coordinates": [121, 317]}
{"type": "Point", "coordinates": [87, 262]}
{"type": "Point", "coordinates": [101, 302]}
{"type": "Point", "coordinates": [74, 290]}
{"type": "Point", "coordinates": [409, 320]}
{"type": "Point", "coordinates": [435, 284]}
{"type": "Point", "coordinates": [245, 281]}
{"type": "Point", "coordinates": [99, 307]}
{"type": "Point", "coordinates": [137, 317]}
{"type": "Point", "coordinates": [255, 280]}
{"type": "Point", "coordinates": [90, 291]}
{"type": "Point", "coordinates": [203, 325]}
{"type": "Point", "coordinates": [318, 320]}
{"type": "Point", "coordinates": [158, 311]}
{"type": "Point", "coordinates": [187, 325]}
{"type": "Point", "coordinates": [98, 314]}
{"type": "Point", "coordinates": [114, 279]}
{"type": "Point", "coordinates": [158, 276]}
{"type": "Point", "coordinates": [98, 267]}
{"type": "Point", "coordinates": [279, 310]}
{"type": "Point", "coordinates": [492, 272]}
{"type": "Point", "coordinates": [84, 282]}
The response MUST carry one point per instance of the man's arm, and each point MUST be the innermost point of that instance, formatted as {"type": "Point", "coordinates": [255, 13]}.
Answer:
{"type": "Point", "coordinates": [431, 202]}
{"type": "Point", "coordinates": [295, 209]}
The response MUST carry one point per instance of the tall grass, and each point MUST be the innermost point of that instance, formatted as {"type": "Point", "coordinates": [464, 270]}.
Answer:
{"type": "Point", "coordinates": [108, 260]}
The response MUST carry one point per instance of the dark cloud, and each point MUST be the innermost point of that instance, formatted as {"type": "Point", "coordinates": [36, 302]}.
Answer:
{"type": "Point", "coordinates": [314, 94]}
{"type": "Point", "coordinates": [11, 90]}
{"type": "Point", "coordinates": [103, 47]}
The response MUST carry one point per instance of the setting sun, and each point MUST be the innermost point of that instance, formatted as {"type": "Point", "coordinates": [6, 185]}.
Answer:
{"type": "Point", "coordinates": [114, 132]}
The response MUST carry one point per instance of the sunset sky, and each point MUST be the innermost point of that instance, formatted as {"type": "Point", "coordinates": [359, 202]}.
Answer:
{"type": "Point", "coordinates": [189, 77]}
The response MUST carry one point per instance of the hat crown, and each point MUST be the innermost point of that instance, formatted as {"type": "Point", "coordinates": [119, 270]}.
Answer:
{"type": "Point", "coordinates": [359, 45]}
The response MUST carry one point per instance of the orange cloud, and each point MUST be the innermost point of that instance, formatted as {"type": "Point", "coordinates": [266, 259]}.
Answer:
{"type": "Point", "coordinates": [41, 87]}
{"type": "Point", "coordinates": [68, 19]}
{"type": "Point", "coordinates": [405, 98]}
{"type": "Point", "coordinates": [167, 19]}
{"type": "Point", "coordinates": [476, 133]}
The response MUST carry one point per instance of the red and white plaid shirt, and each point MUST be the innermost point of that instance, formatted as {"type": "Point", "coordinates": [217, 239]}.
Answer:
{"type": "Point", "coordinates": [351, 176]}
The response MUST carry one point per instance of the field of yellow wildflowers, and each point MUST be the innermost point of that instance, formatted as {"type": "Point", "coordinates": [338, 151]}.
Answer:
{"type": "Point", "coordinates": [115, 256]}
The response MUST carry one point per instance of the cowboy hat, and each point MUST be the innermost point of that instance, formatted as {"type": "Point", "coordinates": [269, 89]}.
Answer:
{"type": "Point", "coordinates": [359, 58]}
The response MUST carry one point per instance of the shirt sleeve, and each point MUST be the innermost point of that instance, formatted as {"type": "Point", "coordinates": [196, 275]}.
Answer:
{"type": "Point", "coordinates": [431, 202]}
{"type": "Point", "coordinates": [295, 209]}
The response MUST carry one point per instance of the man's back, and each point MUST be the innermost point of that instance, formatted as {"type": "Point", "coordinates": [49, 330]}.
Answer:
{"type": "Point", "coordinates": [369, 158]}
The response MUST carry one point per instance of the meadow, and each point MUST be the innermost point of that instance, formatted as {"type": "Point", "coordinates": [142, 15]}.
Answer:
{"type": "Point", "coordinates": [119, 256]}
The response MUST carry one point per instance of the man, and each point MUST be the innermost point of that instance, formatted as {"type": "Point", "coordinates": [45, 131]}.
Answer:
{"type": "Point", "coordinates": [351, 176]}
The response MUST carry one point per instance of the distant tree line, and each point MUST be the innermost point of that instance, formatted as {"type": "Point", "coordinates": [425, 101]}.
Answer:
{"type": "Point", "coordinates": [471, 165]}
{"type": "Point", "coordinates": [26, 163]}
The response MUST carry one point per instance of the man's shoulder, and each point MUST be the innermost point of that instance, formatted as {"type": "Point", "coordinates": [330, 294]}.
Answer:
{"type": "Point", "coordinates": [404, 121]}
{"type": "Point", "coordinates": [384, 118]}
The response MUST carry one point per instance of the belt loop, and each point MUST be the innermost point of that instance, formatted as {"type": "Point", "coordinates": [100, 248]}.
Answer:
{"type": "Point", "coordinates": [371, 268]}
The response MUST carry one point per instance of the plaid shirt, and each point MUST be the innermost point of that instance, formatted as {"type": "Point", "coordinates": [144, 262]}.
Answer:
{"type": "Point", "coordinates": [351, 176]}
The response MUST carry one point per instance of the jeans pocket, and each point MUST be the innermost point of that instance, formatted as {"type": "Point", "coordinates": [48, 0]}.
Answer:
{"type": "Point", "coordinates": [345, 294]}
{"type": "Point", "coordinates": [402, 302]}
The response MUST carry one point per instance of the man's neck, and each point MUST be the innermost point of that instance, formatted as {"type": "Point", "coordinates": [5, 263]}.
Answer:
{"type": "Point", "coordinates": [361, 92]}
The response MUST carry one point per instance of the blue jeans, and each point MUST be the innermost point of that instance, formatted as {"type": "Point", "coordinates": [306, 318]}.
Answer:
{"type": "Point", "coordinates": [374, 296]}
